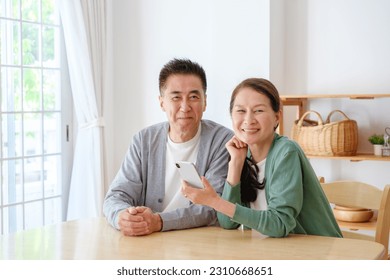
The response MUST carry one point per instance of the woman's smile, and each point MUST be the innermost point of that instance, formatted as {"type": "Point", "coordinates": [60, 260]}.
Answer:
{"type": "Point", "coordinates": [250, 130]}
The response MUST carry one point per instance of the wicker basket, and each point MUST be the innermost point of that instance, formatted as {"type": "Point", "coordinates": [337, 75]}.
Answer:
{"type": "Point", "coordinates": [338, 138]}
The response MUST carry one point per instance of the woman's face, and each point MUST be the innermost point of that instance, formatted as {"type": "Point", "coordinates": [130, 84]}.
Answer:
{"type": "Point", "coordinates": [253, 118]}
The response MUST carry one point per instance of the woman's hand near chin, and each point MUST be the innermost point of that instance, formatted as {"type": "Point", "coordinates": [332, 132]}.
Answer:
{"type": "Point", "coordinates": [238, 151]}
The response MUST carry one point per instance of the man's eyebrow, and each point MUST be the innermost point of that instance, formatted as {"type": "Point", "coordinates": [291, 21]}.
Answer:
{"type": "Point", "coordinates": [179, 92]}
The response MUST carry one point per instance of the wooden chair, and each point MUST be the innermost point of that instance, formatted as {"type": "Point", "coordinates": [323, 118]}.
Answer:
{"type": "Point", "coordinates": [361, 195]}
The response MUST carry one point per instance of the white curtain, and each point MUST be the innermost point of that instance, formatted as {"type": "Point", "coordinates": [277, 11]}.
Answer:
{"type": "Point", "coordinates": [84, 23]}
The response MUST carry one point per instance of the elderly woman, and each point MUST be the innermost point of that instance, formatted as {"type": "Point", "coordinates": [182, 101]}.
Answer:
{"type": "Point", "coordinates": [271, 186]}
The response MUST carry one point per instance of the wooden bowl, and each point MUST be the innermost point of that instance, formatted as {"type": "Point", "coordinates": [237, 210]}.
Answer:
{"type": "Point", "coordinates": [339, 207]}
{"type": "Point", "coordinates": [353, 216]}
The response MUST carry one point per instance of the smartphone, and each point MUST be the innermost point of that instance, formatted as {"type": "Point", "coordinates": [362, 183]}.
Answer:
{"type": "Point", "coordinates": [189, 173]}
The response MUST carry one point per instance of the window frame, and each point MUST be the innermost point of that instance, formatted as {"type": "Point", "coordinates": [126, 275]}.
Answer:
{"type": "Point", "coordinates": [65, 131]}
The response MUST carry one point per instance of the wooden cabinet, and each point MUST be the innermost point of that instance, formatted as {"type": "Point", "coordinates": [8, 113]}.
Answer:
{"type": "Point", "coordinates": [301, 102]}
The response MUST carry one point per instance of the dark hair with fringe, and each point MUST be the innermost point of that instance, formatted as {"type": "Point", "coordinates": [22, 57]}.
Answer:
{"type": "Point", "coordinates": [181, 66]}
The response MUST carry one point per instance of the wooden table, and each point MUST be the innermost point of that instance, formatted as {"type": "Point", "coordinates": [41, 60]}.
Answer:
{"type": "Point", "coordinates": [96, 239]}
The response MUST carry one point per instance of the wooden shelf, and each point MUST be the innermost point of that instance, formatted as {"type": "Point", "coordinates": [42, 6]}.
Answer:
{"type": "Point", "coordinates": [358, 157]}
{"type": "Point", "coordinates": [301, 102]}
{"type": "Point", "coordinates": [350, 96]}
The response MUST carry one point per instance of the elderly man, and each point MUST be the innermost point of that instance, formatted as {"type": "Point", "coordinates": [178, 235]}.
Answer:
{"type": "Point", "coordinates": [145, 195]}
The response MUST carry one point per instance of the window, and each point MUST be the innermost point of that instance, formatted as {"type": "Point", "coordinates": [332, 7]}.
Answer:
{"type": "Point", "coordinates": [34, 148]}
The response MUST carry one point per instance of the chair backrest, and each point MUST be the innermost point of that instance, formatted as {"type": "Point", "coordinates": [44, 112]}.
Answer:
{"type": "Point", "coordinates": [361, 195]}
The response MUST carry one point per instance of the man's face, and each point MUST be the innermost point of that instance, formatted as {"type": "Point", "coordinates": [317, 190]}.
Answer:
{"type": "Point", "coordinates": [184, 102]}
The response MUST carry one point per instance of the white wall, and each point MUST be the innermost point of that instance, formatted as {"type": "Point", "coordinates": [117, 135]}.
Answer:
{"type": "Point", "coordinates": [304, 47]}
{"type": "Point", "coordinates": [334, 47]}
{"type": "Point", "coordinates": [229, 38]}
